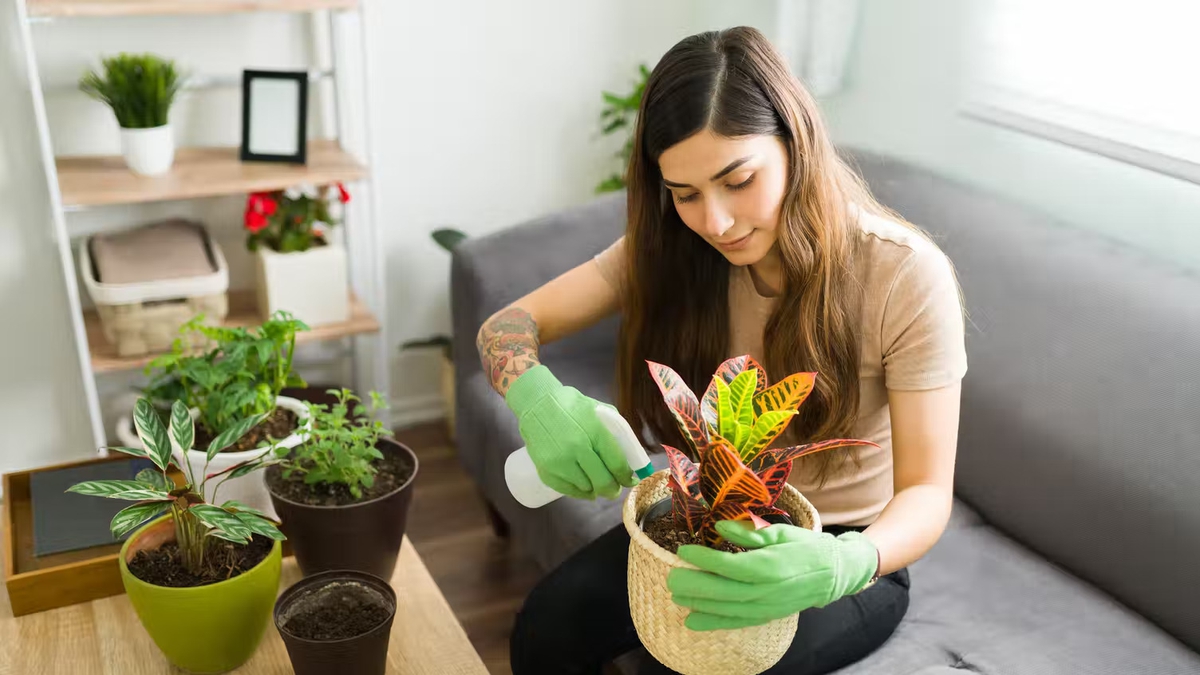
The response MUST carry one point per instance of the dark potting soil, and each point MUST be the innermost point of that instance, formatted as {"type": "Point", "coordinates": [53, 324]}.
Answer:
{"type": "Point", "coordinates": [223, 560]}
{"type": "Point", "coordinates": [279, 425]}
{"type": "Point", "coordinates": [336, 612]}
{"type": "Point", "coordinates": [663, 532]}
{"type": "Point", "coordinates": [391, 472]}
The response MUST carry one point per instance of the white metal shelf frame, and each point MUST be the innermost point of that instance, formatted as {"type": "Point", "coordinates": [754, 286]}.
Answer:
{"type": "Point", "coordinates": [335, 33]}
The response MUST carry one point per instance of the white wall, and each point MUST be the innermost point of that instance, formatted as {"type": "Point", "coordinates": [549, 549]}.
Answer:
{"type": "Point", "coordinates": [43, 414]}
{"type": "Point", "coordinates": [482, 114]}
{"type": "Point", "coordinates": [902, 96]}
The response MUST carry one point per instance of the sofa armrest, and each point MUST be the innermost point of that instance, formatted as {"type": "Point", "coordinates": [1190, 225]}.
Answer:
{"type": "Point", "coordinates": [489, 272]}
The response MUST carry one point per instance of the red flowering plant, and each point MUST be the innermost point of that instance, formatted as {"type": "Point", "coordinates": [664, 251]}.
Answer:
{"type": "Point", "coordinates": [291, 220]}
{"type": "Point", "coordinates": [736, 475]}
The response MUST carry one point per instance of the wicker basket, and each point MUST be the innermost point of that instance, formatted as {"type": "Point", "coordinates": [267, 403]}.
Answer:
{"type": "Point", "coordinates": [660, 622]}
{"type": "Point", "coordinates": [144, 316]}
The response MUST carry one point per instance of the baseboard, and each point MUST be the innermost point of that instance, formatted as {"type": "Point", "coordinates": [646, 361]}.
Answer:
{"type": "Point", "coordinates": [410, 410]}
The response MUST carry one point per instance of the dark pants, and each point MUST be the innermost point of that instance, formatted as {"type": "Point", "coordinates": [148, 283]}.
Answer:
{"type": "Point", "coordinates": [577, 619]}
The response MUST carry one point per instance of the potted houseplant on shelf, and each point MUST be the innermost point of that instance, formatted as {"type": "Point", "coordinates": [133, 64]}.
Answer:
{"type": "Point", "coordinates": [202, 578]}
{"type": "Point", "coordinates": [300, 270]}
{"type": "Point", "coordinates": [140, 89]}
{"type": "Point", "coordinates": [736, 476]}
{"type": "Point", "coordinates": [240, 377]}
{"type": "Point", "coordinates": [343, 494]}
{"type": "Point", "coordinates": [338, 621]}
{"type": "Point", "coordinates": [618, 114]}
{"type": "Point", "coordinates": [448, 239]}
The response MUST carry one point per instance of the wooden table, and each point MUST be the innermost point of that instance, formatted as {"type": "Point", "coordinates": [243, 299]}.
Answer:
{"type": "Point", "coordinates": [104, 637]}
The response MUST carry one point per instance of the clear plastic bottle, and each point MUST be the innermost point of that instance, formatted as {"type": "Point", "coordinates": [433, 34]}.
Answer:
{"type": "Point", "coordinates": [529, 490]}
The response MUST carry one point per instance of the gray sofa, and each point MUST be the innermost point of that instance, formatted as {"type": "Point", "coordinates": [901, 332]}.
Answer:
{"type": "Point", "coordinates": [1075, 541]}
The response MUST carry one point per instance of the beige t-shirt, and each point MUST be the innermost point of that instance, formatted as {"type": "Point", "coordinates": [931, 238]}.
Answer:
{"type": "Point", "coordinates": [912, 339]}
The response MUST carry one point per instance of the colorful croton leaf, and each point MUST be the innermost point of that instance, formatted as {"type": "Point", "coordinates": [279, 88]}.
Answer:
{"type": "Point", "coordinates": [731, 471]}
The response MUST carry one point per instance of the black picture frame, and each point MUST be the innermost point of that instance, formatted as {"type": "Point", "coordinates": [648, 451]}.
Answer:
{"type": "Point", "coordinates": [251, 148]}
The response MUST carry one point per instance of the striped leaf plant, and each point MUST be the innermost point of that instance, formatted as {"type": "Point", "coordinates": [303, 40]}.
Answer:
{"type": "Point", "coordinates": [729, 470]}
{"type": "Point", "coordinates": [153, 492]}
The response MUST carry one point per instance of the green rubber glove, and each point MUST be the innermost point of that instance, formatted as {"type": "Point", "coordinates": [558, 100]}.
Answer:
{"type": "Point", "coordinates": [574, 453]}
{"type": "Point", "coordinates": [785, 570]}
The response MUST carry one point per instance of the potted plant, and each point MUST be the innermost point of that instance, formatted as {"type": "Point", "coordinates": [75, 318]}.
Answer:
{"type": "Point", "coordinates": [343, 494]}
{"type": "Point", "coordinates": [140, 89]}
{"type": "Point", "coordinates": [202, 578]}
{"type": "Point", "coordinates": [448, 239]}
{"type": "Point", "coordinates": [619, 113]}
{"type": "Point", "coordinates": [299, 269]}
{"type": "Point", "coordinates": [736, 476]}
{"type": "Point", "coordinates": [338, 621]}
{"type": "Point", "coordinates": [240, 377]}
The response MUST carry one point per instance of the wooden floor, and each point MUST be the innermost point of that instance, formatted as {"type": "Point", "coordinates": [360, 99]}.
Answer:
{"type": "Point", "coordinates": [483, 578]}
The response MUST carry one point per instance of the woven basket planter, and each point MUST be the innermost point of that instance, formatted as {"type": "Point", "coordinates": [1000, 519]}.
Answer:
{"type": "Point", "coordinates": [660, 622]}
{"type": "Point", "coordinates": [143, 315]}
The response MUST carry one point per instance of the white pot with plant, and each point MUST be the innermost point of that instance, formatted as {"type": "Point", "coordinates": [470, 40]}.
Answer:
{"type": "Point", "coordinates": [139, 88]}
{"type": "Point", "coordinates": [300, 270]}
{"type": "Point", "coordinates": [241, 378]}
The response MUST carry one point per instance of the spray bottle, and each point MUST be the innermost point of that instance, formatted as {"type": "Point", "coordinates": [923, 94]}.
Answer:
{"type": "Point", "coordinates": [522, 478]}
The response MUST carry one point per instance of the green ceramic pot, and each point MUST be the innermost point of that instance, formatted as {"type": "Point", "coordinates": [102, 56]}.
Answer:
{"type": "Point", "coordinates": [205, 629]}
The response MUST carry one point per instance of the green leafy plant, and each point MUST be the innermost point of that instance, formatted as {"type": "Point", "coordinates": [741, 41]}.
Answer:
{"type": "Point", "coordinates": [448, 239]}
{"type": "Point", "coordinates": [736, 475]}
{"type": "Point", "coordinates": [618, 114]}
{"type": "Point", "coordinates": [291, 220]}
{"type": "Point", "coordinates": [341, 446]}
{"type": "Point", "coordinates": [196, 521]}
{"type": "Point", "coordinates": [139, 88]}
{"type": "Point", "coordinates": [237, 379]}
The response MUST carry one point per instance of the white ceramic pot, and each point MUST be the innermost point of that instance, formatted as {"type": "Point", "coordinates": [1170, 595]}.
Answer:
{"type": "Point", "coordinates": [312, 285]}
{"type": "Point", "coordinates": [148, 152]}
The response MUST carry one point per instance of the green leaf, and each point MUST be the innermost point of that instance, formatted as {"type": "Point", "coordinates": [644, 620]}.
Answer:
{"type": "Point", "coordinates": [152, 434]}
{"type": "Point", "coordinates": [233, 434]}
{"type": "Point", "coordinates": [258, 524]}
{"type": "Point", "coordinates": [741, 391]}
{"type": "Point", "coordinates": [130, 518]}
{"type": "Point", "coordinates": [766, 429]}
{"type": "Point", "coordinates": [448, 238]}
{"type": "Point", "coordinates": [155, 479]}
{"type": "Point", "coordinates": [183, 431]}
{"type": "Point", "coordinates": [220, 534]}
{"type": "Point", "coordinates": [107, 488]}
{"type": "Point", "coordinates": [234, 505]}
{"type": "Point", "coordinates": [247, 468]}
{"type": "Point", "coordinates": [136, 452]}
{"type": "Point", "coordinates": [222, 521]}
{"type": "Point", "coordinates": [726, 420]}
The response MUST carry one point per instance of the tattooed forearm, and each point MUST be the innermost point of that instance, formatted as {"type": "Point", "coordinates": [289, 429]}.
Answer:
{"type": "Point", "coordinates": [508, 346]}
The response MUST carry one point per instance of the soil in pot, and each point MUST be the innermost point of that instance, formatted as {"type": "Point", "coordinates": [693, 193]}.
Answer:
{"type": "Point", "coordinates": [337, 611]}
{"type": "Point", "coordinates": [392, 471]}
{"type": "Point", "coordinates": [659, 525]}
{"type": "Point", "coordinates": [224, 560]}
{"type": "Point", "coordinates": [279, 425]}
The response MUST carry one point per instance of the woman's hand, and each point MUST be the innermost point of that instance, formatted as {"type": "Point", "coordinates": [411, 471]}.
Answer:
{"type": "Point", "coordinates": [574, 453]}
{"type": "Point", "coordinates": [785, 570]}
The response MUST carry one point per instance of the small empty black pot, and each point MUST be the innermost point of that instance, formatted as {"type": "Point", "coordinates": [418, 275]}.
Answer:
{"type": "Point", "coordinates": [363, 654]}
{"type": "Point", "coordinates": [365, 536]}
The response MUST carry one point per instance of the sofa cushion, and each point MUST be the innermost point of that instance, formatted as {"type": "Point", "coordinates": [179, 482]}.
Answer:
{"type": "Point", "coordinates": [981, 602]}
{"type": "Point", "coordinates": [1080, 422]}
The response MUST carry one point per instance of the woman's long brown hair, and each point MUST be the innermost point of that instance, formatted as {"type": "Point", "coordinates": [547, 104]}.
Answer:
{"type": "Point", "coordinates": [676, 309]}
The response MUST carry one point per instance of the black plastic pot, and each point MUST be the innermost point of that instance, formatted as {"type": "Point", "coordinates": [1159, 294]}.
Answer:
{"type": "Point", "coordinates": [364, 654]}
{"type": "Point", "coordinates": [365, 536]}
{"type": "Point", "coordinates": [663, 507]}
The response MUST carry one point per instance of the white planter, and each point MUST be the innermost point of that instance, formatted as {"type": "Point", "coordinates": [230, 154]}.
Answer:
{"type": "Point", "coordinates": [250, 490]}
{"type": "Point", "coordinates": [312, 285]}
{"type": "Point", "coordinates": [148, 152]}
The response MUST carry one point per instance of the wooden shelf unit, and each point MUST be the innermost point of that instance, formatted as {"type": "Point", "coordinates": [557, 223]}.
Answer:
{"type": "Point", "coordinates": [111, 8]}
{"type": "Point", "coordinates": [243, 311]}
{"type": "Point", "coordinates": [196, 173]}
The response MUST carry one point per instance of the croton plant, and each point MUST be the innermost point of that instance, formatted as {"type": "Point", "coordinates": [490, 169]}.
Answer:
{"type": "Point", "coordinates": [736, 475]}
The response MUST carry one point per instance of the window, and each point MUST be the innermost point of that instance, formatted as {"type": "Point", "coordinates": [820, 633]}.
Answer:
{"type": "Point", "coordinates": [1115, 77]}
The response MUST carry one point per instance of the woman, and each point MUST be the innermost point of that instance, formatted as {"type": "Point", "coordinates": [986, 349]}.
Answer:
{"type": "Point", "coordinates": [748, 235]}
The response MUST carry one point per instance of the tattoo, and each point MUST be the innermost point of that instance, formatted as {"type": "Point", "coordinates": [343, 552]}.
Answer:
{"type": "Point", "coordinates": [508, 347]}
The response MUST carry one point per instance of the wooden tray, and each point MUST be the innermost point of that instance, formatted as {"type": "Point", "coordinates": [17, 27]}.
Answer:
{"type": "Point", "coordinates": [36, 583]}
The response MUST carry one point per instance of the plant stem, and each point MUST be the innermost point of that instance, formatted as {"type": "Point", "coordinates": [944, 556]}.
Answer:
{"type": "Point", "coordinates": [190, 536]}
